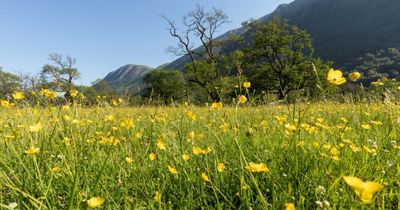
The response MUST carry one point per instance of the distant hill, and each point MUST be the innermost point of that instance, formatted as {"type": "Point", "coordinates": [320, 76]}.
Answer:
{"type": "Point", "coordinates": [128, 77]}
{"type": "Point", "coordinates": [342, 30]}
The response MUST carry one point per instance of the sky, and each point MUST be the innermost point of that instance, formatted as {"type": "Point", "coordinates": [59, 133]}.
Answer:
{"type": "Point", "coordinates": [103, 35]}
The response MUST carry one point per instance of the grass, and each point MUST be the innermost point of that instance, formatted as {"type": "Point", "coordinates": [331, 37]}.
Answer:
{"type": "Point", "coordinates": [307, 148]}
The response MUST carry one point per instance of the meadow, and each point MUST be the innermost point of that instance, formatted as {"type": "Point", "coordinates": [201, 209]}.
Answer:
{"type": "Point", "coordinates": [304, 156]}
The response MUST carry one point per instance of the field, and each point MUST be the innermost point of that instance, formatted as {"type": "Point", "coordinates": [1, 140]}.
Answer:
{"type": "Point", "coordinates": [306, 156]}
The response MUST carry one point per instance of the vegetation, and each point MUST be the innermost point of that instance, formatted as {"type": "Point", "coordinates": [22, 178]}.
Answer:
{"type": "Point", "coordinates": [118, 157]}
{"type": "Point", "coordinates": [274, 132]}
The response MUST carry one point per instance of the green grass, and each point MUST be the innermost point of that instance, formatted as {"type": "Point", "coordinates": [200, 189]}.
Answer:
{"type": "Point", "coordinates": [89, 148]}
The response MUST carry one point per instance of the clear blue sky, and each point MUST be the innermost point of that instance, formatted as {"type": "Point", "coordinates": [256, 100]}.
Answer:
{"type": "Point", "coordinates": [102, 34]}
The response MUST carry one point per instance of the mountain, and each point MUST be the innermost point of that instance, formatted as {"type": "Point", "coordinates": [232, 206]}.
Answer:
{"type": "Point", "coordinates": [128, 77]}
{"type": "Point", "coordinates": [342, 30]}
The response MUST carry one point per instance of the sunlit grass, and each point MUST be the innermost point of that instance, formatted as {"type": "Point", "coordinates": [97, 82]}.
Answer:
{"type": "Point", "coordinates": [193, 157]}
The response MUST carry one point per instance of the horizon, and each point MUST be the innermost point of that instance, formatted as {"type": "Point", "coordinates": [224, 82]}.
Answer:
{"type": "Point", "coordinates": [102, 36]}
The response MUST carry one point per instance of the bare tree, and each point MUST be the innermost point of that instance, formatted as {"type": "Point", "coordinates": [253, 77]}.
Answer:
{"type": "Point", "coordinates": [201, 27]}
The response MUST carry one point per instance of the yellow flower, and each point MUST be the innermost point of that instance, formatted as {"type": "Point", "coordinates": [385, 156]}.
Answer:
{"type": "Point", "coordinates": [73, 93]}
{"type": "Point", "coordinates": [172, 170]}
{"type": "Point", "coordinates": [157, 196]}
{"type": "Point", "coordinates": [191, 135]}
{"type": "Point", "coordinates": [95, 202]}
{"type": "Point", "coordinates": [336, 77]}
{"type": "Point", "coordinates": [139, 135]}
{"type": "Point", "coordinates": [289, 206]}
{"type": "Point", "coordinates": [366, 126]}
{"type": "Point", "coordinates": [152, 156]}
{"type": "Point", "coordinates": [354, 76]}
{"type": "Point", "coordinates": [200, 151]}
{"type": "Point", "coordinates": [18, 95]}
{"type": "Point", "coordinates": [216, 105]}
{"type": "Point", "coordinates": [242, 99]}
{"type": "Point", "coordinates": [161, 144]}
{"type": "Point", "coordinates": [364, 190]}
{"type": "Point", "coordinates": [55, 169]}
{"type": "Point", "coordinates": [32, 150]}
{"type": "Point", "coordinates": [127, 123]}
{"type": "Point", "coordinates": [205, 177]}
{"type": "Point", "coordinates": [377, 83]}
{"type": "Point", "coordinates": [35, 128]}
{"type": "Point", "coordinates": [129, 160]}
{"type": "Point", "coordinates": [220, 167]}
{"type": "Point", "coordinates": [185, 157]}
{"type": "Point", "coordinates": [246, 85]}
{"type": "Point", "coordinates": [257, 167]}
{"type": "Point", "coordinates": [6, 104]}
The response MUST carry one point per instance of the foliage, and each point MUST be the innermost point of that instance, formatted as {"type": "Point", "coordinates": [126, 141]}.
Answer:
{"type": "Point", "coordinates": [8, 83]}
{"type": "Point", "coordinates": [62, 73]}
{"type": "Point", "coordinates": [167, 85]}
{"type": "Point", "coordinates": [379, 65]}
{"type": "Point", "coordinates": [280, 58]}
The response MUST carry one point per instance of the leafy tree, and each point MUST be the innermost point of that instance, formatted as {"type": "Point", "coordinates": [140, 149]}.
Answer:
{"type": "Point", "coordinates": [62, 72]}
{"type": "Point", "coordinates": [279, 58]}
{"type": "Point", "coordinates": [165, 84]}
{"type": "Point", "coordinates": [8, 83]}
{"type": "Point", "coordinates": [379, 65]}
{"type": "Point", "coordinates": [204, 69]}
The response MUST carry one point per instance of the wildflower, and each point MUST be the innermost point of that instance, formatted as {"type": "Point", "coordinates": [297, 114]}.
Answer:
{"type": "Point", "coordinates": [18, 95]}
{"type": "Point", "coordinates": [200, 151]}
{"type": "Point", "coordinates": [157, 196]}
{"type": "Point", "coordinates": [6, 104]}
{"type": "Point", "coordinates": [242, 99]}
{"type": "Point", "coordinates": [172, 170]}
{"type": "Point", "coordinates": [220, 167]}
{"type": "Point", "coordinates": [246, 85]}
{"type": "Point", "coordinates": [216, 105]}
{"type": "Point", "coordinates": [336, 77]}
{"type": "Point", "coordinates": [128, 160]}
{"type": "Point", "coordinates": [257, 167]}
{"type": "Point", "coordinates": [32, 150]}
{"type": "Point", "coordinates": [55, 169]}
{"type": "Point", "coordinates": [289, 206]}
{"type": "Point", "coordinates": [139, 135]}
{"type": "Point", "coordinates": [127, 123]}
{"type": "Point", "coordinates": [205, 177]}
{"type": "Point", "coordinates": [377, 83]}
{"type": "Point", "coordinates": [152, 156]}
{"type": "Point", "coordinates": [95, 202]}
{"type": "Point", "coordinates": [35, 128]}
{"type": "Point", "coordinates": [190, 135]}
{"type": "Point", "coordinates": [354, 76]}
{"type": "Point", "coordinates": [185, 157]}
{"type": "Point", "coordinates": [161, 144]}
{"type": "Point", "coordinates": [366, 126]}
{"type": "Point", "coordinates": [65, 108]}
{"type": "Point", "coordinates": [114, 102]}
{"type": "Point", "coordinates": [365, 190]}
{"type": "Point", "coordinates": [73, 93]}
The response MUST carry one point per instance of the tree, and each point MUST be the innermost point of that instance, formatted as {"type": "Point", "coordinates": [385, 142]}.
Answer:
{"type": "Point", "coordinates": [8, 83]}
{"type": "Point", "coordinates": [62, 72]}
{"type": "Point", "coordinates": [204, 69]}
{"type": "Point", "coordinates": [279, 58]}
{"type": "Point", "coordinates": [165, 84]}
